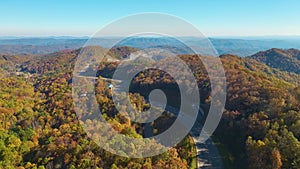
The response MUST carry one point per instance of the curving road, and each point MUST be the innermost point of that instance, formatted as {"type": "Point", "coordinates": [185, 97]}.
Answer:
{"type": "Point", "coordinates": [207, 154]}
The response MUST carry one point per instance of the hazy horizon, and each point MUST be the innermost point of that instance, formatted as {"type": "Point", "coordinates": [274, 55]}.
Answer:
{"type": "Point", "coordinates": [254, 37]}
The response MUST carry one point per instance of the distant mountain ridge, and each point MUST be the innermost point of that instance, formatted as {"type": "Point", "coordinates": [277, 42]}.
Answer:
{"type": "Point", "coordinates": [285, 60]}
{"type": "Point", "coordinates": [241, 47]}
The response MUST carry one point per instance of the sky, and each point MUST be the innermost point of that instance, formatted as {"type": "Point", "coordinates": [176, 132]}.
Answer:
{"type": "Point", "coordinates": [211, 17]}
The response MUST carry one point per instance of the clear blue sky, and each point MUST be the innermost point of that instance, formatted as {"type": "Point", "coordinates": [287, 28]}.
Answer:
{"type": "Point", "coordinates": [213, 18]}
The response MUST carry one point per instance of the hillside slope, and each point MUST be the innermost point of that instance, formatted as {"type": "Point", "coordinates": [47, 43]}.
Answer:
{"type": "Point", "coordinates": [285, 60]}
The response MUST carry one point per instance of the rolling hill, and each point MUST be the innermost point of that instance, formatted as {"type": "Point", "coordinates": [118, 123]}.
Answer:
{"type": "Point", "coordinates": [284, 60]}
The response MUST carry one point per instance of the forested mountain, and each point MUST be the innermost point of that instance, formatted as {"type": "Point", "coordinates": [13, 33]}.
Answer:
{"type": "Point", "coordinates": [40, 129]}
{"type": "Point", "coordinates": [259, 128]}
{"type": "Point", "coordinates": [10, 63]}
{"type": "Point", "coordinates": [65, 60]}
{"type": "Point", "coordinates": [51, 63]}
{"type": "Point", "coordinates": [261, 117]}
{"type": "Point", "coordinates": [121, 52]}
{"type": "Point", "coordinates": [285, 60]}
